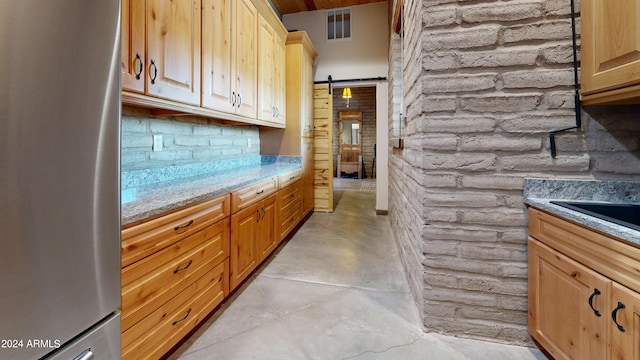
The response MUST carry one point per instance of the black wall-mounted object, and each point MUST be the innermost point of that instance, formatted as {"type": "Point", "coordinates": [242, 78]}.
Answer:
{"type": "Point", "coordinates": [576, 95]}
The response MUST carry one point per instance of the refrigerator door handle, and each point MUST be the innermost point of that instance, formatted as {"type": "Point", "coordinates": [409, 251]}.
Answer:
{"type": "Point", "coordinates": [86, 355]}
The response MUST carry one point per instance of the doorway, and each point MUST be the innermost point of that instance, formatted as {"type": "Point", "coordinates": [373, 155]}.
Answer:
{"type": "Point", "coordinates": [374, 113]}
{"type": "Point", "coordinates": [363, 100]}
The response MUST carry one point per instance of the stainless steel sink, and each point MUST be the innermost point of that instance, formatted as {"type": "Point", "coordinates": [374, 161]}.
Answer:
{"type": "Point", "coordinates": [627, 215]}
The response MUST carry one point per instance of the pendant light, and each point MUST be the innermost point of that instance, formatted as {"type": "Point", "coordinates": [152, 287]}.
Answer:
{"type": "Point", "coordinates": [346, 94]}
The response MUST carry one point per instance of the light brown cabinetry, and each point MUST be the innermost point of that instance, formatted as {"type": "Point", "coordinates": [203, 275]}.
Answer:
{"type": "Point", "coordinates": [289, 203]}
{"type": "Point", "coordinates": [583, 291]}
{"type": "Point", "coordinates": [610, 51]}
{"type": "Point", "coordinates": [253, 236]}
{"type": "Point", "coordinates": [133, 53]}
{"type": "Point", "coordinates": [171, 67]}
{"type": "Point", "coordinates": [179, 57]}
{"type": "Point", "coordinates": [174, 272]}
{"type": "Point", "coordinates": [271, 65]}
{"type": "Point", "coordinates": [253, 227]}
{"type": "Point", "coordinates": [559, 294]}
{"type": "Point", "coordinates": [297, 138]}
{"type": "Point", "coordinates": [229, 62]}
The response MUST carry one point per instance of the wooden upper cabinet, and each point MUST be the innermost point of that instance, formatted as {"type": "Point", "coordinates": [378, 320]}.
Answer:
{"type": "Point", "coordinates": [133, 58]}
{"type": "Point", "coordinates": [610, 51]}
{"type": "Point", "coordinates": [266, 63]}
{"type": "Point", "coordinates": [217, 60]}
{"type": "Point", "coordinates": [271, 75]}
{"type": "Point", "coordinates": [280, 79]}
{"type": "Point", "coordinates": [229, 59]}
{"type": "Point", "coordinates": [202, 57]}
{"type": "Point", "coordinates": [246, 61]}
{"type": "Point", "coordinates": [173, 49]}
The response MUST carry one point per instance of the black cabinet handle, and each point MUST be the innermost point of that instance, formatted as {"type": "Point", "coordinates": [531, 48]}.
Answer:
{"type": "Point", "coordinates": [258, 219]}
{"type": "Point", "coordinates": [614, 316]}
{"type": "Point", "coordinates": [140, 68]}
{"type": "Point", "coordinates": [153, 72]}
{"type": "Point", "coordinates": [233, 98]}
{"type": "Point", "coordinates": [239, 100]}
{"type": "Point", "coordinates": [183, 226]}
{"type": "Point", "coordinates": [184, 318]}
{"type": "Point", "coordinates": [183, 268]}
{"type": "Point", "coordinates": [260, 192]}
{"type": "Point", "coordinates": [595, 292]}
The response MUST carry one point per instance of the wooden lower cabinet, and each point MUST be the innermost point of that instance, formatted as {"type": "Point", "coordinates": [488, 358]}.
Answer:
{"type": "Point", "coordinates": [168, 290]}
{"type": "Point", "coordinates": [253, 237]}
{"type": "Point", "coordinates": [580, 303]}
{"type": "Point", "coordinates": [178, 267]}
{"type": "Point", "coordinates": [289, 208]}
{"type": "Point", "coordinates": [166, 326]}
{"type": "Point", "coordinates": [560, 315]}
{"type": "Point", "coordinates": [625, 340]}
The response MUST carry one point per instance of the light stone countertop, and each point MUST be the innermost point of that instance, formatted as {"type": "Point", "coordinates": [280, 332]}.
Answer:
{"type": "Point", "coordinates": [150, 200]}
{"type": "Point", "coordinates": [540, 192]}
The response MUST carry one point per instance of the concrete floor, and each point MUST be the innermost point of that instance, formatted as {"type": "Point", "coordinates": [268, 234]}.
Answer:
{"type": "Point", "coordinates": [335, 290]}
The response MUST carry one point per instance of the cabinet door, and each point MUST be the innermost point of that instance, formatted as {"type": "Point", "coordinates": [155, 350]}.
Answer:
{"type": "Point", "coordinates": [306, 101]}
{"type": "Point", "coordinates": [567, 305]}
{"type": "Point", "coordinates": [217, 61]}
{"type": "Point", "coordinates": [266, 71]}
{"type": "Point", "coordinates": [280, 80]}
{"type": "Point", "coordinates": [244, 232]}
{"type": "Point", "coordinates": [245, 37]}
{"type": "Point", "coordinates": [133, 45]}
{"type": "Point", "coordinates": [625, 341]}
{"type": "Point", "coordinates": [173, 49]}
{"type": "Point", "coordinates": [610, 44]}
{"type": "Point", "coordinates": [266, 240]}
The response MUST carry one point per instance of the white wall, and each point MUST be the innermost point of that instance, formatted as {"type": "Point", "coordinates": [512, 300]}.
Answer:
{"type": "Point", "coordinates": [382, 155]}
{"type": "Point", "coordinates": [364, 56]}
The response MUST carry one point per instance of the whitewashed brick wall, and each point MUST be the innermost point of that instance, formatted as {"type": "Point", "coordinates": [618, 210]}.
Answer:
{"type": "Point", "coordinates": [185, 139]}
{"type": "Point", "coordinates": [485, 82]}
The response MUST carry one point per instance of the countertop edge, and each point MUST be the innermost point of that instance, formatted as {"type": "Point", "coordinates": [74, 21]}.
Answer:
{"type": "Point", "coordinates": [628, 235]}
{"type": "Point", "coordinates": [157, 201]}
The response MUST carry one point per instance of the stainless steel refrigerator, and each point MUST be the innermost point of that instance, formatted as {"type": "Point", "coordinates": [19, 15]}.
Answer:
{"type": "Point", "coordinates": [59, 179]}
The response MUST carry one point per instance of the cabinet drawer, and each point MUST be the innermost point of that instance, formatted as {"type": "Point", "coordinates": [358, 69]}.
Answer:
{"type": "Point", "coordinates": [609, 256]}
{"type": "Point", "coordinates": [151, 236]}
{"type": "Point", "coordinates": [289, 219]}
{"type": "Point", "coordinates": [149, 283]}
{"type": "Point", "coordinates": [162, 329]}
{"type": "Point", "coordinates": [248, 195]}
{"type": "Point", "coordinates": [288, 196]}
{"type": "Point", "coordinates": [289, 177]}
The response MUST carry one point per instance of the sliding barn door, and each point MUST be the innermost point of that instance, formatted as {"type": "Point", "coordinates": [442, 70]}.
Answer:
{"type": "Point", "coordinates": [323, 145]}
